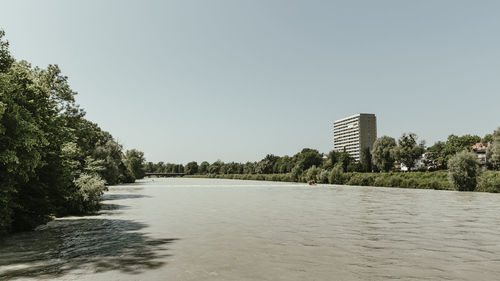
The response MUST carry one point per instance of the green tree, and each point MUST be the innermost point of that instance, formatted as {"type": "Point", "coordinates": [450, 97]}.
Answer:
{"type": "Point", "coordinates": [149, 167]}
{"type": "Point", "coordinates": [191, 168]}
{"type": "Point", "coordinates": [266, 165]}
{"type": "Point", "coordinates": [307, 158]}
{"type": "Point", "coordinates": [215, 167]}
{"type": "Point", "coordinates": [433, 154]}
{"type": "Point", "coordinates": [283, 165]}
{"type": "Point", "coordinates": [6, 59]}
{"type": "Point", "coordinates": [366, 160]}
{"type": "Point", "coordinates": [203, 169]}
{"type": "Point", "coordinates": [51, 157]}
{"type": "Point", "coordinates": [456, 144]}
{"type": "Point", "coordinates": [110, 152]}
{"type": "Point", "coordinates": [463, 169]}
{"type": "Point", "coordinates": [249, 168]}
{"type": "Point", "coordinates": [493, 151]}
{"type": "Point", "coordinates": [382, 153]}
{"type": "Point", "coordinates": [331, 160]}
{"type": "Point", "coordinates": [134, 159]}
{"type": "Point", "coordinates": [488, 138]}
{"type": "Point", "coordinates": [336, 175]}
{"type": "Point", "coordinates": [408, 151]}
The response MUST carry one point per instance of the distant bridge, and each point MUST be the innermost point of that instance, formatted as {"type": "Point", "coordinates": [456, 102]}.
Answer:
{"type": "Point", "coordinates": [164, 175]}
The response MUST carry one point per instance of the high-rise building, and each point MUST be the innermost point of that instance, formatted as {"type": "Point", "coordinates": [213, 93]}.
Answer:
{"type": "Point", "coordinates": [353, 133]}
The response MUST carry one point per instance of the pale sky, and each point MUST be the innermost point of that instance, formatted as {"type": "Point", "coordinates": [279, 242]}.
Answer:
{"type": "Point", "coordinates": [236, 80]}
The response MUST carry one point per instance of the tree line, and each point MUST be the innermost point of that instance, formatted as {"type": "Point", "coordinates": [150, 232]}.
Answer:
{"type": "Point", "coordinates": [310, 164]}
{"type": "Point", "coordinates": [53, 161]}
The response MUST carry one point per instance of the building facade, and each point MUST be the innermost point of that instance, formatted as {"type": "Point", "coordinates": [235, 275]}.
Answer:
{"type": "Point", "coordinates": [480, 149]}
{"type": "Point", "coordinates": [354, 133]}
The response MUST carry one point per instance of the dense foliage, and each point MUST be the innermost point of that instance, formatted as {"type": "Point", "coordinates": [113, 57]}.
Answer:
{"type": "Point", "coordinates": [340, 168]}
{"type": "Point", "coordinates": [382, 153]}
{"type": "Point", "coordinates": [408, 151]}
{"type": "Point", "coordinates": [493, 151]}
{"type": "Point", "coordinates": [463, 169]}
{"type": "Point", "coordinates": [441, 152]}
{"type": "Point", "coordinates": [53, 161]}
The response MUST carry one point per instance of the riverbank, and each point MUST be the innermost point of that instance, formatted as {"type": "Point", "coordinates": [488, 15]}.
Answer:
{"type": "Point", "coordinates": [438, 180]}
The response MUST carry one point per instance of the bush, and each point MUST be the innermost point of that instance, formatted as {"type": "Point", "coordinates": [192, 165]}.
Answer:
{"type": "Point", "coordinates": [295, 173]}
{"type": "Point", "coordinates": [362, 179]}
{"type": "Point", "coordinates": [322, 177]}
{"type": "Point", "coordinates": [395, 181]}
{"type": "Point", "coordinates": [90, 190]}
{"type": "Point", "coordinates": [380, 180]}
{"type": "Point", "coordinates": [463, 169]}
{"type": "Point", "coordinates": [336, 175]}
{"type": "Point", "coordinates": [489, 182]}
{"type": "Point", "coordinates": [312, 173]}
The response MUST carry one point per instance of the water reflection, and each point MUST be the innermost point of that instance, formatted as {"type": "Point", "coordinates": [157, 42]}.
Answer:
{"type": "Point", "coordinates": [108, 197]}
{"type": "Point", "coordinates": [71, 244]}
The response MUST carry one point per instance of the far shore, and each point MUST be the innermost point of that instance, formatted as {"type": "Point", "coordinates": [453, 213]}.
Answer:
{"type": "Point", "coordinates": [437, 180]}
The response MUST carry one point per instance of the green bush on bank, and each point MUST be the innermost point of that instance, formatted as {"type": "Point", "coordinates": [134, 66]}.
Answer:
{"type": "Point", "coordinates": [463, 170]}
{"type": "Point", "coordinates": [422, 180]}
{"type": "Point", "coordinates": [488, 181]}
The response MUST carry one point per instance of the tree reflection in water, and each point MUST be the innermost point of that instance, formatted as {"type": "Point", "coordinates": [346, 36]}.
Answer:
{"type": "Point", "coordinates": [70, 244]}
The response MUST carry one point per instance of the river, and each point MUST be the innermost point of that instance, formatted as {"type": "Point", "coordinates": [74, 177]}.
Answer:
{"type": "Point", "coordinates": [210, 229]}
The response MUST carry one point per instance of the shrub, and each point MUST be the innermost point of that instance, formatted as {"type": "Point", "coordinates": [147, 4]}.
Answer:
{"type": "Point", "coordinates": [90, 190]}
{"type": "Point", "coordinates": [322, 177]}
{"type": "Point", "coordinates": [395, 181]}
{"type": "Point", "coordinates": [463, 169]}
{"type": "Point", "coordinates": [489, 182]}
{"type": "Point", "coordinates": [311, 173]}
{"type": "Point", "coordinates": [336, 175]}
{"type": "Point", "coordinates": [361, 179]}
{"type": "Point", "coordinates": [380, 181]}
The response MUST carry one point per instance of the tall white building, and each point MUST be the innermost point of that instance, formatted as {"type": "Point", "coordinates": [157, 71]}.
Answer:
{"type": "Point", "coordinates": [353, 133]}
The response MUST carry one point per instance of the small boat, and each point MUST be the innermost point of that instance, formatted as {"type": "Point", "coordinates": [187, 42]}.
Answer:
{"type": "Point", "coordinates": [311, 182]}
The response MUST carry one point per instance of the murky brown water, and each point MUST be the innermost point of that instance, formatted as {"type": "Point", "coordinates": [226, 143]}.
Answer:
{"type": "Point", "coordinates": [205, 229]}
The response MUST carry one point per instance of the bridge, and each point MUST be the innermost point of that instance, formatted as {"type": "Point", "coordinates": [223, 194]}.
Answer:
{"type": "Point", "coordinates": [164, 175]}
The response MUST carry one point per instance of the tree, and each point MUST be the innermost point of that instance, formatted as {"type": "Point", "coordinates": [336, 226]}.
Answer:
{"type": "Point", "coordinates": [111, 154]}
{"type": "Point", "coordinates": [346, 161]}
{"type": "Point", "coordinates": [433, 155]}
{"type": "Point", "coordinates": [336, 175]}
{"type": "Point", "coordinates": [6, 59]}
{"type": "Point", "coordinates": [249, 168]}
{"type": "Point", "coordinates": [382, 155]}
{"type": "Point", "coordinates": [149, 167]}
{"type": "Point", "coordinates": [52, 160]}
{"type": "Point", "coordinates": [266, 165]}
{"type": "Point", "coordinates": [191, 168]}
{"type": "Point", "coordinates": [366, 160]}
{"type": "Point", "coordinates": [493, 151]}
{"type": "Point", "coordinates": [408, 151]}
{"type": "Point", "coordinates": [488, 138]}
{"type": "Point", "coordinates": [456, 144]}
{"type": "Point", "coordinates": [203, 169]}
{"type": "Point", "coordinates": [463, 169]}
{"type": "Point", "coordinates": [307, 158]}
{"type": "Point", "coordinates": [134, 159]}
{"type": "Point", "coordinates": [215, 167]}
{"type": "Point", "coordinates": [283, 165]}
{"type": "Point", "coordinates": [331, 160]}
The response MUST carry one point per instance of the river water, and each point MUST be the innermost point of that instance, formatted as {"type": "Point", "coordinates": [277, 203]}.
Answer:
{"type": "Point", "coordinates": [209, 229]}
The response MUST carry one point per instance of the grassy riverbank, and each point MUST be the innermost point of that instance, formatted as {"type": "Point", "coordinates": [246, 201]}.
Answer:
{"type": "Point", "coordinates": [489, 181]}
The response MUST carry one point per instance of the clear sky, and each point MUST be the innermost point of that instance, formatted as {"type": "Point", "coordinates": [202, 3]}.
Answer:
{"type": "Point", "coordinates": [236, 80]}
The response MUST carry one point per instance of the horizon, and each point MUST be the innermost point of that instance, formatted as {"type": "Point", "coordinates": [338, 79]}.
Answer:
{"type": "Point", "coordinates": [235, 81]}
